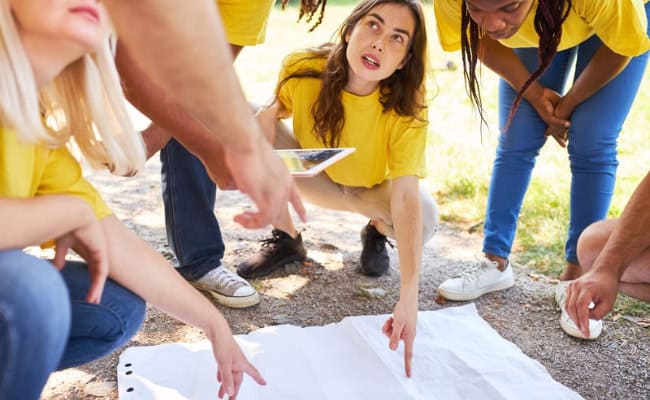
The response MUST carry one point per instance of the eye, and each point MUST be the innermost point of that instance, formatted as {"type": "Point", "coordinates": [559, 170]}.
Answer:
{"type": "Point", "coordinates": [397, 38]}
{"type": "Point", "coordinates": [373, 24]}
{"type": "Point", "coordinates": [512, 8]}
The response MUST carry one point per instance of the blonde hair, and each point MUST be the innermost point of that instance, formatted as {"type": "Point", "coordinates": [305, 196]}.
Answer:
{"type": "Point", "coordinates": [84, 102]}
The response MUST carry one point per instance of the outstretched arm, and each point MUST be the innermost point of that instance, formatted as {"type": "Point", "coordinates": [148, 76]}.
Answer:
{"type": "Point", "coordinates": [407, 223]}
{"type": "Point", "coordinates": [600, 284]}
{"type": "Point", "coordinates": [182, 47]}
{"type": "Point", "coordinates": [140, 268]}
{"type": "Point", "coordinates": [167, 116]}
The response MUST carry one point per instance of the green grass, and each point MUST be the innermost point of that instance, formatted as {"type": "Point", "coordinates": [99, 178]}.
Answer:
{"type": "Point", "coordinates": [460, 155]}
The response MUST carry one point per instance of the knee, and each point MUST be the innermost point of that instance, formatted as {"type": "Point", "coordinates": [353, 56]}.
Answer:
{"type": "Point", "coordinates": [130, 314]}
{"type": "Point", "coordinates": [34, 320]}
{"type": "Point", "coordinates": [32, 290]}
{"type": "Point", "coordinates": [430, 216]}
{"type": "Point", "coordinates": [591, 242]}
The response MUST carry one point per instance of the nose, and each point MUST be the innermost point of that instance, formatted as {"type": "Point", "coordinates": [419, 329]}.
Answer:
{"type": "Point", "coordinates": [492, 23]}
{"type": "Point", "coordinates": [378, 44]}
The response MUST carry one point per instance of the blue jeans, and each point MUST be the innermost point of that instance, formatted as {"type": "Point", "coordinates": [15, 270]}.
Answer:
{"type": "Point", "coordinates": [595, 126]}
{"type": "Point", "coordinates": [193, 231]}
{"type": "Point", "coordinates": [45, 323]}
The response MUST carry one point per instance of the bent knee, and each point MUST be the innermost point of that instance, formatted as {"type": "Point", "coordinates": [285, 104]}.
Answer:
{"type": "Point", "coordinates": [592, 240]}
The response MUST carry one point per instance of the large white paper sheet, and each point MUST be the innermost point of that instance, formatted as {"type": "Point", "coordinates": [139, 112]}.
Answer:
{"type": "Point", "coordinates": [457, 356]}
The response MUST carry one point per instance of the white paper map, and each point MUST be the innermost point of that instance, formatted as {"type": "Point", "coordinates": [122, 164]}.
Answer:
{"type": "Point", "coordinates": [457, 356]}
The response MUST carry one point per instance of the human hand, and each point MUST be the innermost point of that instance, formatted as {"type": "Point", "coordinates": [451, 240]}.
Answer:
{"type": "Point", "coordinates": [597, 287]}
{"type": "Point", "coordinates": [563, 112]}
{"type": "Point", "coordinates": [89, 242]}
{"type": "Point", "coordinates": [263, 176]}
{"type": "Point", "coordinates": [231, 365]}
{"type": "Point", "coordinates": [402, 326]}
{"type": "Point", "coordinates": [545, 105]}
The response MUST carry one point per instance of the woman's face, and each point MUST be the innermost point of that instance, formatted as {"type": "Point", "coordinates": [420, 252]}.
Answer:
{"type": "Point", "coordinates": [500, 19]}
{"type": "Point", "coordinates": [69, 28]}
{"type": "Point", "coordinates": [378, 45]}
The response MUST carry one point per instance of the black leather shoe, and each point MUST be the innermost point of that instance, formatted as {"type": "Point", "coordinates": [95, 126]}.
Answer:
{"type": "Point", "coordinates": [276, 252]}
{"type": "Point", "coordinates": [374, 257]}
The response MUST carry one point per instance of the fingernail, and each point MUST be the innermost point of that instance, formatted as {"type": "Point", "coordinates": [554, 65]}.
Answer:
{"type": "Point", "coordinates": [231, 390]}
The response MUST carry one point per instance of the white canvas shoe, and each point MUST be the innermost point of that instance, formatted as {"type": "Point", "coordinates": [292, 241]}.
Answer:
{"type": "Point", "coordinates": [478, 278]}
{"type": "Point", "coordinates": [567, 324]}
{"type": "Point", "coordinates": [228, 288]}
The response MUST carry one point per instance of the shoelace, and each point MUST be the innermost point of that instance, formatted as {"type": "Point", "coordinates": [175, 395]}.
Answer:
{"type": "Point", "coordinates": [227, 279]}
{"type": "Point", "coordinates": [472, 271]}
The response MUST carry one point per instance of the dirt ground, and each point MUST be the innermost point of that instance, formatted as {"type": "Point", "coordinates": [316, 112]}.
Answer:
{"type": "Point", "coordinates": [327, 288]}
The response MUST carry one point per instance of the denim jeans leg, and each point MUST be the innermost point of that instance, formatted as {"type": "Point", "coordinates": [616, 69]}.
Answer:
{"type": "Point", "coordinates": [193, 231]}
{"type": "Point", "coordinates": [98, 329]}
{"type": "Point", "coordinates": [34, 323]}
{"type": "Point", "coordinates": [516, 153]}
{"type": "Point", "coordinates": [593, 138]}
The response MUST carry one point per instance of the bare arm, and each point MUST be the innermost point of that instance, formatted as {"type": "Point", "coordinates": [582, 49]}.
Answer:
{"type": "Point", "coordinates": [626, 242]}
{"type": "Point", "coordinates": [603, 67]}
{"type": "Point", "coordinates": [630, 237]}
{"type": "Point", "coordinates": [407, 222]}
{"type": "Point", "coordinates": [168, 117]}
{"type": "Point", "coordinates": [140, 268]}
{"type": "Point", "coordinates": [38, 219]}
{"type": "Point", "coordinates": [67, 220]}
{"type": "Point", "coordinates": [184, 50]}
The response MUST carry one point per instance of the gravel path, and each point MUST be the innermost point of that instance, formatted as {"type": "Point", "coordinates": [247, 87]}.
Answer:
{"type": "Point", "coordinates": [327, 288]}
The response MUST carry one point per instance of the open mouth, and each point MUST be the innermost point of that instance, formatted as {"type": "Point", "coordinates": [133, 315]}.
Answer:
{"type": "Point", "coordinates": [370, 61]}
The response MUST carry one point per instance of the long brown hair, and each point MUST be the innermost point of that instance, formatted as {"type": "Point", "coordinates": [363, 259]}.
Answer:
{"type": "Point", "coordinates": [549, 17]}
{"type": "Point", "coordinates": [403, 91]}
{"type": "Point", "coordinates": [308, 9]}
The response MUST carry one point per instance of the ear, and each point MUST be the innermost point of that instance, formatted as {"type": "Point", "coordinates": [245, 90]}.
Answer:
{"type": "Point", "coordinates": [405, 60]}
{"type": "Point", "coordinates": [346, 38]}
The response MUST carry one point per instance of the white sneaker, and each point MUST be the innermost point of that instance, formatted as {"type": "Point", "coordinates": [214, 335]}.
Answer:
{"type": "Point", "coordinates": [228, 288]}
{"type": "Point", "coordinates": [567, 324]}
{"type": "Point", "coordinates": [479, 278]}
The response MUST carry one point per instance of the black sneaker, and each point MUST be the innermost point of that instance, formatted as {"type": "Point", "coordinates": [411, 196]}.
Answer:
{"type": "Point", "coordinates": [374, 257]}
{"type": "Point", "coordinates": [276, 251]}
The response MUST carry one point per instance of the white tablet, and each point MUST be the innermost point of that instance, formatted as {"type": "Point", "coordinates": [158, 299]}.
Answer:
{"type": "Point", "coordinates": [309, 162]}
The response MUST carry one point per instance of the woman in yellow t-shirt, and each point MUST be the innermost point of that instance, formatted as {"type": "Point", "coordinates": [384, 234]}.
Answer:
{"type": "Point", "coordinates": [58, 82]}
{"type": "Point", "coordinates": [534, 46]}
{"type": "Point", "coordinates": [366, 91]}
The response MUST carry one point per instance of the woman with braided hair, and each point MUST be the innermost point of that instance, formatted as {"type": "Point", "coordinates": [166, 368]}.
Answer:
{"type": "Point", "coordinates": [533, 46]}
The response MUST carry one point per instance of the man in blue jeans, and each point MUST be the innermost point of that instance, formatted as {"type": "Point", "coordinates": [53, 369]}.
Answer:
{"type": "Point", "coordinates": [193, 231]}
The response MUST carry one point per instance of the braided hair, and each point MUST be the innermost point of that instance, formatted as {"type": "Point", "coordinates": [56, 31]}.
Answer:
{"type": "Point", "coordinates": [549, 17]}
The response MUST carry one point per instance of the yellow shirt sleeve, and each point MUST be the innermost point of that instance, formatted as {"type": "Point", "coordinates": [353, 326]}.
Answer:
{"type": "Point", "coordinates": [620, 24]}
{"type": "Point", "coordinates": [63, 175]}
{"type": "Point", "coordinates": [28, 170]}
{"type": "Point", "coordinates": [406, 149]}
{"type": "Point", "coordinates": [448, 18]}
{"type": "Point", "coordinates": [245, 21]}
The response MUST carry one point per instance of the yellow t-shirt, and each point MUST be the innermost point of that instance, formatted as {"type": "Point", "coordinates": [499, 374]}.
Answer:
{"type": "Point", "coordinates": [245, 21]}
{"type": "Point", "coordinates": [387, 145]}
{"type": "Point", "coordinates": [28, 170]}
{"type": "Point", "coordinates": [619, 24]}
